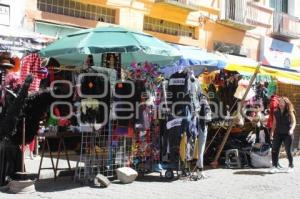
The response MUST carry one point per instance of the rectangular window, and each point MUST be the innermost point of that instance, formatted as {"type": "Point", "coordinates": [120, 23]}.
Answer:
{"type": "Point", "coordinates": [54, 9]}
{"type": "Point", "coordinates": [279, 5]}
{"type": "Point", "coordinates": [4, 14]}
{"type": "Point", "coordinates": [61, 3]}
{"type": "Point", "coordinates": [94, 9]}
{"type": "Point", "coordinates": [60, 10]}
{"type": "Point", "coordinates": [76, 9]}
{"type": "Point", "coordinates": [72, 12]}
{"type": "Point", "coordinates": [72, 4]}
{"type": "Point", "coordinates": [167, 27]}
{"type": "Point", "coordinates": [66, 3]}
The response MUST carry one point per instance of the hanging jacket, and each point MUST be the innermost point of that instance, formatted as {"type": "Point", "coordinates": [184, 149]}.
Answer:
{"type": "Point", "coordinates": [205, 112]}
{"type": "Point", "coordinates": [194, 90]}
{"type": "Point", "coordinates": [31, 64]}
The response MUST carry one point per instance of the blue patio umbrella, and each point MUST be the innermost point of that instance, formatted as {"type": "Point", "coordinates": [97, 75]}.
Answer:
{"type": "Point", "coordinates": [194, 58]}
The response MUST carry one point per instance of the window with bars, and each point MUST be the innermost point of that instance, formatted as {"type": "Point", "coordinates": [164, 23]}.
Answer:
{"type": "Point", "coordinates": [279, 5]}
{"type": "Point", "coordinates": [77, 9]}
{"type": "Point", "coordinates": [166, 27]}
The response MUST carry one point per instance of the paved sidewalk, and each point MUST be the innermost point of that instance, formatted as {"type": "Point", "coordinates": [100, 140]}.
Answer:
{"type": "Point", "coordinates": [222, 184]}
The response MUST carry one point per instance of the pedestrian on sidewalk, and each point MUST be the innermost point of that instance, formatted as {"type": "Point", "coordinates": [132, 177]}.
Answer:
{"type": "Point", "coordinates": [284, 123]}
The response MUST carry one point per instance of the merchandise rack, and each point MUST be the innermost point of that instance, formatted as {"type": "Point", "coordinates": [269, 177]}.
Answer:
{"type": "Point", "coordinates": [101, 154]}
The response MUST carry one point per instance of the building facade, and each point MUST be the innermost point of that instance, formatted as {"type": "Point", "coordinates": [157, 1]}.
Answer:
{"type": "Point", "coordinates": [230, 26]}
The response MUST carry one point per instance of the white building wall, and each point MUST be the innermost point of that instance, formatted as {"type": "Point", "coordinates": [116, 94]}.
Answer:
{"type": "Point", "coordinates": [17, 12]}
{"type": "Point", "coordinates": [294, 7]}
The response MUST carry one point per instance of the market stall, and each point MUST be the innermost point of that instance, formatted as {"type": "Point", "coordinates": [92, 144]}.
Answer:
{"type": "Point", "coordinates": [238, 93]}
{"type": "Point", "coordinates": [116, 76]}
{"type": "Point", "coordinates": [261, 94]}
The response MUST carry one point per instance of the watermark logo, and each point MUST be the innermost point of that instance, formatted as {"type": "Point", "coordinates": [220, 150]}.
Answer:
{"type": "Point", "coordinates": [122, 105]}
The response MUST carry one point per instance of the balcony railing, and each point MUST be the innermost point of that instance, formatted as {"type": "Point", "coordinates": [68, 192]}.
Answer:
{"type": "Point", "coordinates": [286, 26]}
{"type": "Point", "coordinates": [192, 5]}
{"type": "Point", "coordinates": [236, 14]}
{"type": "Point", "coordinates": [235, 10]}
{"type": "Point", "coordinates": [259, 15]}
{"type": "Point", "coordinates": [246, 14]}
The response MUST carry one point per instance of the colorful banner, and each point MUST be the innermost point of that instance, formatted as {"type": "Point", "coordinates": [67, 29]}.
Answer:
{"type": "Point", "coordinates": [8, 43]}
{"type": "Point", "coordinates": [279, 54]}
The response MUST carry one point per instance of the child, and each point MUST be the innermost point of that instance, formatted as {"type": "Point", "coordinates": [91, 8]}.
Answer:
{"type": "Point", "coordinates": [258, 122]}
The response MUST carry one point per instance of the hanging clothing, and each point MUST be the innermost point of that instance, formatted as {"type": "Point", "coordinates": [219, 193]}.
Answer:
{"type": "Point", "coordinates": [95, 105]}
{"type": "Point", "coordinates": [171, 139]}
{"type": "Point", "coordinates": [272, 87]}
{"type": "Point", "coordinates": [93, 112]}
{"type": "Point", "coordinates": [108, 72]}
{"type": "Point", "coordinates": [192, 139]}
{"type": "Point", "coordinates": [262, 95]}
{"type": "Point", "coordinates": [93, 86]}
{"type": "Point", "coordinates": [143, 121]}
{"type": "Point", "coordinates": [127, 99]}
{"type": "Point", "coordinates": [229, 91]}
{"type": "Point", "coordinates": [206, 79]}
{"type": "Point", "coordinates": [182, 147]}
{"type": "Point", "coordinates": [31, 64]}
{"type": "Point", "coordinates": [205, 117]}
{"type": "Point", "coordinates": [241, 90]}
{"type": "Point", "coordinates": [205, 112]}
{"type": "Point", "coordinates": [178, 95]}
{"type": "Point", "coordinates": [178, 86]}
{"type": "Point", "coordinates": [193, 127]}
{"type": "Point", "coordinates": [194, 90]}
{"type": "Point", "coordinates": [213, 97]}
{"type": "Point", "coordinates": [202, 141]}
{"type": "Point", "coordinates": [2, 91]}
{"type": "Point", "coordinates": [183, 92]}
{"type": "Point", "coordinates": [17, 64]}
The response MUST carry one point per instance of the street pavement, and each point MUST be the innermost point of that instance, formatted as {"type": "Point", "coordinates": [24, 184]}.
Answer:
{"type": "Point", "coordinates": [221, 184]}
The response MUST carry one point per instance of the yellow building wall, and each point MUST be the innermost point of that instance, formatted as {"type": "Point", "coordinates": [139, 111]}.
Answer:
{"type": "Point", "coordinates": [131, 14]}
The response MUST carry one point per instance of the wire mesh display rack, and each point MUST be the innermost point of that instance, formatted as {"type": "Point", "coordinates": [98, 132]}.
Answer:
{"type": "Point", "coordinates": [102, 153]}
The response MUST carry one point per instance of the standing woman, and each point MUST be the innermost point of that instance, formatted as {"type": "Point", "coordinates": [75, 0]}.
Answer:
{"type": "Point", "coordinates": [284, 123]}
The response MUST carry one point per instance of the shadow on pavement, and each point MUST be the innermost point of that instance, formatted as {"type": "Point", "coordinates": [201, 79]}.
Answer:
{"type": "Point", "coordinates": [51, 185]}
{"type": "Point", "coordinates": [257, 173]}
{"type": "Point", "coordinates": [151, 178]}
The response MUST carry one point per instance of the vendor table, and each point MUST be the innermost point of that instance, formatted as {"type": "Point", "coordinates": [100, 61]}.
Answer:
{"type": "Point", "coordinates": [61, 148]}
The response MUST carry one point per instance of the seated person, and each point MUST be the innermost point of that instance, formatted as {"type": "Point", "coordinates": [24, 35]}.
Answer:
{"type": "Point", "coordinates": [258, 120]}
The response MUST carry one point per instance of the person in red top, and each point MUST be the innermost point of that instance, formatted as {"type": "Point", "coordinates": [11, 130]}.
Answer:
{"type": "Point", "coordinates": [274, 102]}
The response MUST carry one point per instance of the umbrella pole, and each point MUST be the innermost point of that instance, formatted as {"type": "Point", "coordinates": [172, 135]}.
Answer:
{"type": "Point", "coordinates": [215, 163]}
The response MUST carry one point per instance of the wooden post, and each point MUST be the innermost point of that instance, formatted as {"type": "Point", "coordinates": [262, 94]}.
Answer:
{"type": "Point", "coordinates": [215, 163]}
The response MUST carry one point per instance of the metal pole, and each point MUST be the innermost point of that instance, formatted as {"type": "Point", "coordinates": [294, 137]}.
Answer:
{"type": "Point", "coordinates": [23, 146]}
{"type": "Point", "coordinates": [215, 163]}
